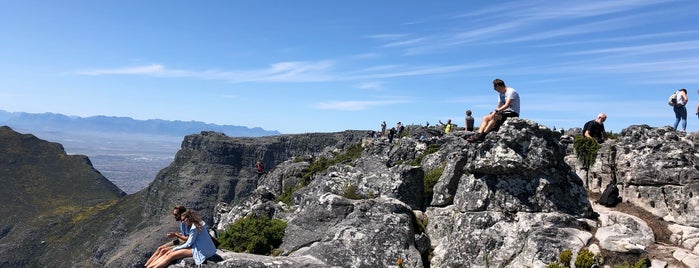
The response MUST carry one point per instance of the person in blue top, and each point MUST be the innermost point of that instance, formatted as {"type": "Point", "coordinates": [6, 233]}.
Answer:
{"type": "Point", "coordinates": [181, 236]}
{"type": "Point", "coordinates": [199, 245]}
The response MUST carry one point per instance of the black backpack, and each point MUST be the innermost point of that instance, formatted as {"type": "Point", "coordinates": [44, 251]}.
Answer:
{"type": "Point", "coordinates": [610, 197]}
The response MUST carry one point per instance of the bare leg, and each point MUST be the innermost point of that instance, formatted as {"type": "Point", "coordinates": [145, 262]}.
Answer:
{"type": "Point", "coordinates": [485, 124]}
{"type": "Point", "coordinates": [170, 256]}
{"type": "Point", "coordinates": [158, 252]}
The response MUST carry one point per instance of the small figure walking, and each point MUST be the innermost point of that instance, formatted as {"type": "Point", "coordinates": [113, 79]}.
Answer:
{"type": "Point", "coordinates": [260, 168]}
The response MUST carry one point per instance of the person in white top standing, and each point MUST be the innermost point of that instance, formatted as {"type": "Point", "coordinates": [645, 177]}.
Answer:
{"type": "Point", "coordinates": [680, 109]}
{"type": "Point", "coordinates": [508, 106]}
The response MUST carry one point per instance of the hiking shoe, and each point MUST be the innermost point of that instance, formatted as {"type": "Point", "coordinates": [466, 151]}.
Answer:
{"type": "Point", "coordinates": [476, 138]}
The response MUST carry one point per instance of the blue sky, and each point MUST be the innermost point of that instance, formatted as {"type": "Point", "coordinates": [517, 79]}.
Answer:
{"type": "Point", "coordinates": [324, 66]}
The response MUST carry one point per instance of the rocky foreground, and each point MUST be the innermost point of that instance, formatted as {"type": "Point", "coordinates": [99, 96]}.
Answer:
{"type": "Point", "coordinates": [516, 200]}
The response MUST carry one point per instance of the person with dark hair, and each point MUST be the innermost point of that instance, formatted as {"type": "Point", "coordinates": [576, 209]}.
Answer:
{"type": "Point", "coordinates": [680, 109]}
{"type": "Point", "coordinates": [391, 133]}
{"type": "Point", "coordinates": [469, 121]}
{"type": "Point", "coordinates": [594, 129]}
{"type": "Point", "coordinates": [199, 244]}
{"type": "Point", "coordinates": [508, 106]}
{"type": "Point", "coordinates": [180, 237]}
{"type": "Point", "coordinates": [448, 126]}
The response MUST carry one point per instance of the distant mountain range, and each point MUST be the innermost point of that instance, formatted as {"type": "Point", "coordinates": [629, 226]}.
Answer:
{"type": "Point", "coordinates": [49, 122]}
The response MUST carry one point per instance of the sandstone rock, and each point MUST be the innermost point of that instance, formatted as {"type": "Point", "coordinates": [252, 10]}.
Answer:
{"type": "Point", "coordinates": [624, 233]}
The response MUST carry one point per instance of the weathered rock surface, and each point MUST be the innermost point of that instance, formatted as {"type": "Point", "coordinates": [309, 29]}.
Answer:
{"type": "Point", "coordinates": [515, 200]}
{"type": "Point", "coordinates": [509, 201]}
{"type": "Point", "coordinates": [656, 170]}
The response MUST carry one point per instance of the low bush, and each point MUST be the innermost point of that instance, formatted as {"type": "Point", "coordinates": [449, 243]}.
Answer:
{"type": "Point", "coordinates": [431, 178]}
{"type": "Point", "coordinates": [585, 259]}
{"type": "Point", "coordinates": [257, 235]}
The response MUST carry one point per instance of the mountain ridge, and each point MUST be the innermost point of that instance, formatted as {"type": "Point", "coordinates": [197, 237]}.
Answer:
{"type": "Point", "coordinates": [43, 122]}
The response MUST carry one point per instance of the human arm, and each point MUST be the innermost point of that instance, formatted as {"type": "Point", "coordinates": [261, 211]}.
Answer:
{"type": "Point", "coordinates": [504, 106]}
{"type": "Point", "coordinates": [586, 129]}
{"type": "Point", "coordinates": [193, 234]}
{"type": "Point", "coordinates": [180, 236]}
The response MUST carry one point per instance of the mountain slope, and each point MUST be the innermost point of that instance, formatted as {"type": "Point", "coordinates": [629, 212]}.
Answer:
{"type": "Point", "coordinates": [44, 190]}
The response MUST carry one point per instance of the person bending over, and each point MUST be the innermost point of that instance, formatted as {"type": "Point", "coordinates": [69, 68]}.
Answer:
{"type": "Point", "coordinates": [594, 129]}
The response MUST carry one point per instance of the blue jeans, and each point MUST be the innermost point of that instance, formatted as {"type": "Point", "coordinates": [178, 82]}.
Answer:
{"type": "Point", "coordinates": [680, 115]}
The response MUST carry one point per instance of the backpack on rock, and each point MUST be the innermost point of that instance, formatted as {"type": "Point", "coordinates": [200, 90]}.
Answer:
{"type": "Point", "coordinates": [610, 197]}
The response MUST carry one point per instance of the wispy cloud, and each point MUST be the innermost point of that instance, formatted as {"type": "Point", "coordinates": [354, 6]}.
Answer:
{"type": "Point", "coordinates": [356, 105]}
{"type": "Point", "coordinates": [287, 72]}
{"type": "Point", "coordinates": [371, 85]}
{"type": "Point", "coordinates": [153, 69]}
{"type": "Point", "coordinates": [643, 49]}
{"type": "Point", "coordinates": [522, 22]}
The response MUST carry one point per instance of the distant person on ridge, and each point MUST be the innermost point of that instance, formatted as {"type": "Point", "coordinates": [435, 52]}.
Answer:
{"type": "Point", "coordinates": [260, 168]}
{"type": "Point", "coordinates": [680, 109]}
{"type": "Point", "coordinates": [383, 128]}
{"type": "Point", "coordinates": [391, 133]}
{"type": "Point", "coordinates": [469, 121]}
{"type": "Point", "coordinates": [448, 126]}
{"type": "Point", "coordinates": [508, 106]}
{"type": "Point", "coordinates": [594, 129]}
{"type": "Point", "coordinates": [181, 236]}
{"type": "Point", "coordinates": [399, 129]}
{"type": "Point", "coordinates": [697, 113]}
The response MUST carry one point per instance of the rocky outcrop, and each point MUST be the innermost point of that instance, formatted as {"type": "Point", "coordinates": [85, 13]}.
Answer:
{"type": "Point", "coordinates": [509, 201]}
{"type": "Point", "coordinates": [656, 170]}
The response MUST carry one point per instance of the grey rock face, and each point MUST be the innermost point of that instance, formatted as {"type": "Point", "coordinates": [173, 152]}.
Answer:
{"type": "Point", "coordinates": [510, 201]}
{"type": "Point", "coordinates": [655, 168]}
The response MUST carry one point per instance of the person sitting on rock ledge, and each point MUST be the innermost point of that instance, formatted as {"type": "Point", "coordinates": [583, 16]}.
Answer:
{"type": "Point", "coordinates": [180, 237]}
{"type": "Point", "coordinates": [199, 244]}
{"type": "Point", "coordinates": [508, 106]}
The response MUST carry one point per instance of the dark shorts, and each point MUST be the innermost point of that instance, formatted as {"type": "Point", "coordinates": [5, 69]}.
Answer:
{"type": "Point", "coordinates": [509, 114]}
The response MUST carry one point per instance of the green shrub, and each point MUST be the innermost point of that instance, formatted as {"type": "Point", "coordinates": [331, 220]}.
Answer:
{"type": "Point", "coordinates": [565, 257]}
{"type": "Point", "coordinates": [432, 148]}
{"type": "Point", "coordinates": [431, 178]}
{"type": "Point", "coordinates": [585, 259]}
{"type": "Point", "coordinates": [286, 195]}
{"type": "Point", "coordinates": [257, 235]}
{"type": "Point", "coordinates": [350, 191]}
{"type": "Point", "coordinates": [641, 263]}
{"type": "Point", "coordinates": [586, 150]}
{"type": "Point", "coordinates": [555, 265]}
{"type": "Point", "coordinates": [612, 135]}
{"type": "Point", "coordinates": [350, 154]}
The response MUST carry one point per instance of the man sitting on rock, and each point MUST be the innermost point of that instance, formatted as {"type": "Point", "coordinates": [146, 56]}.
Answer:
{"type": "Point", "coordinates": [508, 106]}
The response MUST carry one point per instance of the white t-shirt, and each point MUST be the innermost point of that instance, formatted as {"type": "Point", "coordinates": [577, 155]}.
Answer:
{"type": "Point", "coordinates": [510, 93]}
